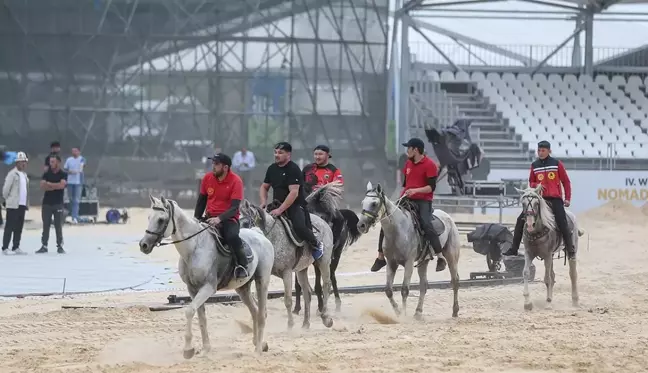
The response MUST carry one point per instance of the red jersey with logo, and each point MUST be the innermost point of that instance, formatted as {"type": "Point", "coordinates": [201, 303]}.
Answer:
{"type": "Point", "coordinates": [551, 173]}
{"type": "Point", "coordinates": [315, 176]}
{"type": "Point", "coordinates": [417, 175]}
{"type": "Point", "coordinates": [220, 193]}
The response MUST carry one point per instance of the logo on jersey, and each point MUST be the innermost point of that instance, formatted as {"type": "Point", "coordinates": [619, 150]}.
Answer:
{"type": "Point", "coordinates": [210, 191]}
{"type": "Point", "coordinates": [407, 171]}
{"type": "Point", "coordinates": [327, 176]}
{"type": "Point", "coordinates": [551, 176]}
{"type": "Point", "coordinates": [540, 177]}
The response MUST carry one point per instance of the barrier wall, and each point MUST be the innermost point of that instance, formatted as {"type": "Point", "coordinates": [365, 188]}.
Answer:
{"type": "Point", "coordinates": [591, 189]}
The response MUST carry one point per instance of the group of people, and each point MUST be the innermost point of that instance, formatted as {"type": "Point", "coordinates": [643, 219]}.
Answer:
{"type": "Point", "coordinates": [221, 193]}
{"type": "Point", "coordinates": [56, 178]}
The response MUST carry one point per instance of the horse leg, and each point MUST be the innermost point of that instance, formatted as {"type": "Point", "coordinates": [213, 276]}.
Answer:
{"type": "Point", "coordinates": [407, 278]}
{"type": "Point", "coordinates": [246, 297]}
{"type": "Point", "coordinates": [573, 276]}
{"type": "Point", "coordinates": [334, 264]}
{"type": "Point", "coordinates": [454, 280]}
{"type": "Point", "coordinates": [318, 288]}
{"type": "Point", "coordinates": [287, 281]}
{"type": "Point", "coordinates": [298, 292]}
{"type": "Point", "coordinates": [548, 279]}
{"type": "Point", "coordinates": [325, 289]}
{"type": "Point", "coordinates": [389, 286]}
{"type": "Point", "coordinates": [262, 311]}
{"type": "Point", "coordinates": [199, 300]}
{"type": "Point", "coordinates": [202, 321]}
{"type": "Point", "coordinates": [302, 277]}
{"type": "Point", "coordinates": [423, 284]}
{"type": "Point", "coordinates": [525, 274]}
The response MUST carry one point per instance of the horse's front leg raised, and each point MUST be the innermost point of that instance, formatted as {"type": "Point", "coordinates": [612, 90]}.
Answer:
{"type": "Point", "coordinates": [573, 276]}
{"type": "Point", "coordinates": [287, 281]}
{"type": "Point", "coordinates": [549, 278]}
{"type": "Point", "coordinates": [199, 300]}
{"type": "Point", "coordinates": [389, 285]}
{"type": "Point", "coordinates": [423, 284]}
{"type": "Point", "coordinates": [407, 278]}
{"type": "Point", "coordinates": [302, 277]}
{"type": "Point", "coordinates": [526, 273]}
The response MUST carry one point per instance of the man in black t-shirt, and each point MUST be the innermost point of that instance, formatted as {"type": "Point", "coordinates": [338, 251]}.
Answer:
{"type": "Point", "coordinates": [287, 183]}
{"type": "Point", "coordinates": [53, 182]}
{"type": "Point", "coordinates": [55, 149]}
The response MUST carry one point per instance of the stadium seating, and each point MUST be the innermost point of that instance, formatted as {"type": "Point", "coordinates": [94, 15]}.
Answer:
{"type": "Point", "coordinates": [582, 115]}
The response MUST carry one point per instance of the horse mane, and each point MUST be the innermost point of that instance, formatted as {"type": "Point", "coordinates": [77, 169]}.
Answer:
{"type": "Point", "coordinates": [546, 215]}
{"type": "Point", "coordinates": [326, 199]}
{"type": "Point", "coordinates": [259, 212]}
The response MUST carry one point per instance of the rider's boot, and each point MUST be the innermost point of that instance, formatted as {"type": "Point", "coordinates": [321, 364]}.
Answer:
{"type": "Point", "coordinates": [569, 245]}
{"type": "Point", "coordinates": [241, 264]}
{"type": "Point", "coordinates": [438, 250]}
{"type": "Point", "coordinates": [517, 238]}
{"type": "Point", "coordinates": [380, 261]}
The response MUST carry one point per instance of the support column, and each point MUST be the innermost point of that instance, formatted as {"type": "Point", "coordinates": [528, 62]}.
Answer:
{"type": "Point", "coordinates": [576, 51]}
{"type": "Point", "coordinates": [404, 83]}
{"type": "Point", "coordinates": [589, 40]}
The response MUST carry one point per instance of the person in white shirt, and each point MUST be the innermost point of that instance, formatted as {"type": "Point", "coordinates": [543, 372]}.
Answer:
{"type": "Point", "coordinates": [15, 194]}
{"type": "Point", "coordinates": [74, 168]}
{"type": "Point", "coordinates": [243, 164]}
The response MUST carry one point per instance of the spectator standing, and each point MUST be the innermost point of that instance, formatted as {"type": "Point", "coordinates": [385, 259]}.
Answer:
{"type": "Point", "coordinates": [74, 168]}
{"type": "Point", "coordinates": [55, 150]}
{"type": "Point", "coordinates": [243, 163]}
{"type": "Point", "coordinates": [53, 182]}
{"type": "Point", "coordinates": [16, 196]}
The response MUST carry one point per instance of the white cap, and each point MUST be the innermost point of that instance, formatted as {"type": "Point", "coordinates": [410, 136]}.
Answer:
{"type": "Point", "coordinates": [21, 157]}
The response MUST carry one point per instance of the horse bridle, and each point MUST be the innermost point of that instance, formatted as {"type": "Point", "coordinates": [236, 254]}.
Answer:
{"type": "Point", "coordinates": [375, 216]}
{"type": "Point", "coordinates": [160, 235]}
{"type": "Point", "coordinates": [537, 215]}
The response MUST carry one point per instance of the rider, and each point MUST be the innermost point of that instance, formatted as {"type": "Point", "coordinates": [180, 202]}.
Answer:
{"type": "Point", "coordinates": [287, 183]}
{"type": "Point", "coordinates": [551, 173]}
{"type": "Point", "coordinates": [221, 193]}
{"type": "Point", "coordinates": [322, 172]}
{"type": "Point", "coordinates": [419, 183]}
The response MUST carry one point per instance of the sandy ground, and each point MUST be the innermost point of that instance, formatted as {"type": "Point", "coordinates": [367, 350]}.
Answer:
{"type": "Point", "coordinates": [607, 333]}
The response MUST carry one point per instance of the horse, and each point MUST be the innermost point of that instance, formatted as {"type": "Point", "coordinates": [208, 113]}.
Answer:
{"type": "Point", "coordinates": [403, 244]}
{"type": "Point", "coordinates": [293, 255]}
{"type": "Point", "coordinates": [206, 265]}
{"type": "Point", "coordinates": [324, 202]}
{"type": "Point", "coordinates": [542, 239]}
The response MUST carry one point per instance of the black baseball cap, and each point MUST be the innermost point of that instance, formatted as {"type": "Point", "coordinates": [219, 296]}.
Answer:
{"type": "Point", "coordinates": [324, 148]}
{"type": "Point", "coordinates": [544, 144]}
{"type": "Point", "coordinates": [222, 159]}
{"type": "Point", "coordinates": [415, 142]}
{"type": "Point", "coordinates": [284, 146]}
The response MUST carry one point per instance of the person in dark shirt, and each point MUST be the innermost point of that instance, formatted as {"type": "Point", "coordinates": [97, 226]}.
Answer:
{"type": "Point", "coordinates": [55, 150]}
{"type": "Point", "coordinates": [53, 182]}
{"type": "Point", "coordinates": [287, 183]}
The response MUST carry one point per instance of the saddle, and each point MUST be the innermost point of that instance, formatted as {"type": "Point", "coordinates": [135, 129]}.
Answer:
{"type": "Point", "coordinates": [226, 267]}
{"type": "Point", "coordinates": [290, 231]}
{"type": "Point", "coordinates": [559, 237]}
{"type": "Point", "coordinates": [406, 205]}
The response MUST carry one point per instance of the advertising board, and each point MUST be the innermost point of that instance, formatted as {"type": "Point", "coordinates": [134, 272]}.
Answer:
{"type": "Point", "coordinates": [591, 189]}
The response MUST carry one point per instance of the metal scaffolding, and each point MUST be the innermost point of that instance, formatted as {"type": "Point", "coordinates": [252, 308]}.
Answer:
{"type": "Point", "coordinates": [142, 86]}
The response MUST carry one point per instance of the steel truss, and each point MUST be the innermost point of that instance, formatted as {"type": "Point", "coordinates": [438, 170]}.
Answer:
{"type": "Point", "coordinates": [135, 82]}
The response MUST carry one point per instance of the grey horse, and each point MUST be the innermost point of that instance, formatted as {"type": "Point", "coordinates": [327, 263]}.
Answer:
{"type": "Point", "coordinates": [206, 266]}
{"type": "Point", "coordinates": [542, 239]}
{"type": "Point", "coordinates": [293, 255]}
{"type": "Point", "coordinates": [403, 243]}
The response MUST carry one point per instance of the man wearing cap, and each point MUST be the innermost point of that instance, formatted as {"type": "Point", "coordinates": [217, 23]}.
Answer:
{"type": "Point", "coordinates": [321, 172]}
{"type": "Point", "coordinates": [552, 175]}
{"type": "Point", "coordinates": [221, 193]}
{"type": "Point", "coordinates": [419, 183]}
{"type": "Point", "coordinates": [16, 196]}
{"type": "Point", "coordinates": [288, 187]}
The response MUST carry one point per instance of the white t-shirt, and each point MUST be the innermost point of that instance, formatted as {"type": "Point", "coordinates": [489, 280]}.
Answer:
{"type": "Point", "coordinates": [22, 197]}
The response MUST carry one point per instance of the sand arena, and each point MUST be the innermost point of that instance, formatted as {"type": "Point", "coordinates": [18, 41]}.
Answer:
{"type": "Point", "coordinates": [608, 333]}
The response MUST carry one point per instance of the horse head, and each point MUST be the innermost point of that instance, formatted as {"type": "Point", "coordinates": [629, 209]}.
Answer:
{"type": "Point", "coordinates": [161, 223]}
{"type": "Point", "coordinates": [535, 210]}
{"type": "Point", "coordinates": [373, 207]}
{"type": "Point", "coordinates": [252, 215]}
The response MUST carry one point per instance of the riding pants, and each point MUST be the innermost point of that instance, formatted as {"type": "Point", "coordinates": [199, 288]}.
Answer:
{"type": "Point", "coordinates": [229, 229]}
{"type": "Point", "coordinates": [300, 219]}
{"type": "Point", "coordinates": [425, 219]}
{"type": "Point", "coordinates": [558, 208]}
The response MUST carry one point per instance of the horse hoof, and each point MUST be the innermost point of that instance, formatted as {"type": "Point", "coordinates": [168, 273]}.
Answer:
{"type": "Point", "coordinates": [205, 350]}
{"type": "Point", "coordinates": [318, 313]}
{"type": "Point", "coordinates": [575, 303]}
{"type": "Point", "coordinates": [265, 347]}
{"type": "Point", "coordinates": [327, 321]}
{"type": "Point", "coordinates": [338, 305]}
{"type": "Point", "coordinates": [455, 314]}
{"type": "Point", "coordinates": [528, 306]}
{"type": "Point", "coordinates": [418, 316]}
{"type": "Point", "coordinates": [306, 326]}
{"type": "Point", "coordinates": [188, 354]}
{"type": "Point", "coordinates": [296, 311]}
{"type": "Point", "coordinates": [291, 324]}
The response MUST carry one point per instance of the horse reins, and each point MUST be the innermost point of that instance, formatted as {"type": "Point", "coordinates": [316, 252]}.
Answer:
{"type": "Point", "coordinates": [160, 235]}
{"type": "Point", "coordinates": [383, 203]}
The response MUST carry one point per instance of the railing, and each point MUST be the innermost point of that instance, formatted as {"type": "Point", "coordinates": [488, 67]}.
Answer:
{"type": "Point", "coordinates": [429, 100]}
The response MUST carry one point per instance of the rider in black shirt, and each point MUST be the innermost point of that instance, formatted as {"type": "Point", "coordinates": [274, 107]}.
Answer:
{"type": "Point", "coordinates": [287, 183]}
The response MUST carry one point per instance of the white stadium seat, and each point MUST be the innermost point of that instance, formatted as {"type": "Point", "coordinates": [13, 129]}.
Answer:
{"type": "Point", "coordinates": [581, 114]}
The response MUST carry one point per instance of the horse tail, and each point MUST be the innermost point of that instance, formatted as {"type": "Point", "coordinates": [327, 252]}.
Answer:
{"type": "Point", "coordinates": [351, 220]}
{"type": "Point", "coordinates": [454, 239]}
{"type": "Point", "coordinates": [326, 199]}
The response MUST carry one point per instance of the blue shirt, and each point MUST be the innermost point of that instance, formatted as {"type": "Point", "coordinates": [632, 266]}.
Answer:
{"type": "Point", "coordinates": [74, 164]}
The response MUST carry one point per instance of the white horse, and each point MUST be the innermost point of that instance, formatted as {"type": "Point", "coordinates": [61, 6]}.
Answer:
{"type": "Point", "coordinates": [403, 244]}
{"type": "Point", "coordinates": [206, 265]}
